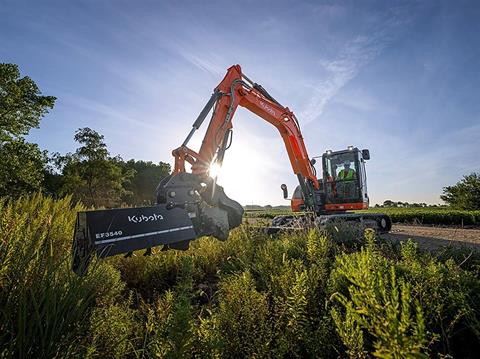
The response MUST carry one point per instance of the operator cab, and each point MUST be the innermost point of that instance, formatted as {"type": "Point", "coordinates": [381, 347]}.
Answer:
{"type": "Point", "coordinates": [344, 183]}
{"type": "Point", "coordinates": [345, 179]}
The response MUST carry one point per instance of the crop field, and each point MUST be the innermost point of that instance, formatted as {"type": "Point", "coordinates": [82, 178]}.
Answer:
{"type": "Point", "coordinates": [433, 216]}
{"type": "Point", "coordinates": [311, 294]}
{"type": "Point", "coordinates": [427, 216]}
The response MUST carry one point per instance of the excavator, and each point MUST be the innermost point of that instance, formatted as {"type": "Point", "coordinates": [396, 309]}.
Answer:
{"type": "Point", "coordinates": [191, 204]}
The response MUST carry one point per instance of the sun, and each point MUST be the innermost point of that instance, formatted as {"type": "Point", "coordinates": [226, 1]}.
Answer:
{"type": "Point", "coordinates": [247, 174]}
{"type": "Point", "coordinates": [214, 170]}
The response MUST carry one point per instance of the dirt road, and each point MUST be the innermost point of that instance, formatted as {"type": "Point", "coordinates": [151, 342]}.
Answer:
{"type": "Point", "coordinates": [428, 237]}
{"type": "Point", "coordinates": [432, 238]}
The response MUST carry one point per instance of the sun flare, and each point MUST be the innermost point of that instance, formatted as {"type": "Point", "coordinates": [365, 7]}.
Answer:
{"type": "Point", "coordinates": [214, 170]}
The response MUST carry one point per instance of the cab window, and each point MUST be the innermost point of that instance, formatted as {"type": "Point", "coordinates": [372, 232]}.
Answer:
{"type": "Point", "coordinates": [341, 167]}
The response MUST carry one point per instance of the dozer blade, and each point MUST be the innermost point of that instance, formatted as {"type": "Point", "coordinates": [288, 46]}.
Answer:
{"type": "Point", "coordinates": [115, 231]}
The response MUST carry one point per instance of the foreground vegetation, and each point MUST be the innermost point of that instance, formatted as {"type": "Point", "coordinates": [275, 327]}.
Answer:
{"type": "Point", "coordinates": [304, 295]}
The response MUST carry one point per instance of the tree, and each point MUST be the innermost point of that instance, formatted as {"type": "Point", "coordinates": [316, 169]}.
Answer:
{"type": "Point", "coordinates": [465, 194]}
{"type": "Point", "coordinates": [388, 203]}
{"type": "Point", "coordinates": [22, 167]}
{"type": "Point", "coordinates": [90, 174]}
{"type": "Point", "coordinates": [143, 184]}
{"type": "Point", "coordinates": [53, 180]}
{"type": "Point", "coordinates": [21, 103]}
{"type": "Point", "coordinates": [22, 164]}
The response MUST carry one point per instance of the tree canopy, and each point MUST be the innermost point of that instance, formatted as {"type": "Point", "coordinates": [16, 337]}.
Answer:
{"type": "Point", "coordinates": [21, 168]}
{"type": "Point", "coordinates": [21, 103]}
{"type": "Point", "coordinates": [22, 106]}
{"type": "Point", "coordinates": [90, 174]}
{"type": "Point", "coordinates": [147, 176]}
{"type": "Point", "coordinates": [465, 194]}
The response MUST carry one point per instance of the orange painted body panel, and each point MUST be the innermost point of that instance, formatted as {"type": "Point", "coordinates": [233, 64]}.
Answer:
{"type": "Point", "coordinates": [346, 206]}
{"type": "Point", "coordinates": [296, 204]}
{"type": "Point", "coordinates": [237, 90]}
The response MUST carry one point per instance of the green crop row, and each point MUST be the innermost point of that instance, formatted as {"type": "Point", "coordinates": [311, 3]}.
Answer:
{"type": "Point", "coordinates": [268, 213]}
{"type": "Point", "coordinates": [431, 216]}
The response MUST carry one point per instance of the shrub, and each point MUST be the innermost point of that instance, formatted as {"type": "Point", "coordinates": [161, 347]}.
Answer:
{"type": "Point", "coordinates": [111, 332]}
{"type": "Point", "coordinates": [242, 318]}
{"type": "Point", "coordinates": [449, 295]}
{"type": "Point", "coordinates": [168, 331]}
{"type": "Point", "coordinates": [435, 216]}
{"type": "Point", "coordinates": [380, 305]}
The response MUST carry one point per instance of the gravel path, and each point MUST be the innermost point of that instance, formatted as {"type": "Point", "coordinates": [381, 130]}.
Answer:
{"type": "Point", "coordinates": [432, 238]}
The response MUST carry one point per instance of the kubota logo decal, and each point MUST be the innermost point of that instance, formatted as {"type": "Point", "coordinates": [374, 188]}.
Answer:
{"type": "Point", "coordinates": [268, 108]}
{"type": "Point", "coordinates": [143, 218]}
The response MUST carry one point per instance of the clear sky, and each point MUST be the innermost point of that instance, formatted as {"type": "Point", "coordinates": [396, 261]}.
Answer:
{"type": "Point", "coordinates": [400, 78]}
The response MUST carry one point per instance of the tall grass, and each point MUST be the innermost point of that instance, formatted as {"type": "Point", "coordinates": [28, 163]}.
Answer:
{"type": "Point", "coordinates": [308, 294]}
{"type": "Point", "coordinates": [43, 305]}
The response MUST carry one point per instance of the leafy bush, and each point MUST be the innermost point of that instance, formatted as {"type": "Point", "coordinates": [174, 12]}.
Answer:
{"type": "Point", "coordinates": [404, 308]}
{"type": "Point", "coordinates": [435, 216]}
{"type": "Point", "coordinates": [380, 305]}
{"type": "Point", "coordinates": [110, 331]}
{"type": "Point", "coordinates": [242, 318]}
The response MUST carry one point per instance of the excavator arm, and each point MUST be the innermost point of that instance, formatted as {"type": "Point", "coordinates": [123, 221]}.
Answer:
{"type": "Point", "coordinates": [238, 90]}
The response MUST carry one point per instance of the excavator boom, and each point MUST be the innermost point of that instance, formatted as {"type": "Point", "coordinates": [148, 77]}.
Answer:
{"type": "Point", "coordinates": [233, 91]}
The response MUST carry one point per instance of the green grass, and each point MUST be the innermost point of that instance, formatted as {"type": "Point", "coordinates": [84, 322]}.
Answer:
{"type": "Point", "coordinates": [303, 295]}
{"type": "Point", "coordinates": [266, 213]}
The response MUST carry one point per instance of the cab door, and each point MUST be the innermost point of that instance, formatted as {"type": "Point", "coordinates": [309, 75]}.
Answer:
{"type": "Point", "coordinates": [363, 179]}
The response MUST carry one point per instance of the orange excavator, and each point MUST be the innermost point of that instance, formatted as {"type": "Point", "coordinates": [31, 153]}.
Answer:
{"type": "Point", "coordinates": [191, 204]}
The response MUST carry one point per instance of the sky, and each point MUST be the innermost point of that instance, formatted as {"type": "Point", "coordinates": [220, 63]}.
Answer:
{"type": "Point", "coordinates": [399, 78]}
